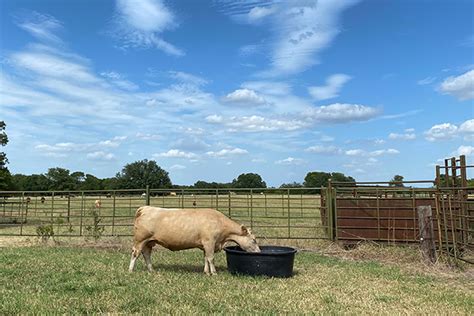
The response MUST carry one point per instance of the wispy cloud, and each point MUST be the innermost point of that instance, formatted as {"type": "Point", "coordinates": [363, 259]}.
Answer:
{"type": "Point", "coordinates": [462, 86]}
{"type": "Point", "coordinates": [140, 23]}
{"type": "Point", "coordinates": [41, 26]}
{"type": "Point", "coordinates": [342, 113]}
{"type": "Point", "coordinates": [331, 90]}
{"type": "Point", "coordinates": [100, 155]}
{"type": "Point", "coordinates": [330, 150]}
{"type": "Point", "coordinates": [426, 81]}
{"type": "Point", "coordinates": [303, 30]}
{"type": "Point", "coordinates": [176, 153]}
{"type": "Point", "coordinates": [227, 152]}
{"type": "Point", "coordinates": [375, 153]}
{"type": "Point", "coordinates": [257, 14]}
{"type": "Point", "coordinates": [330, 114]}
{"type": "Point", "coordinates": [465, 150]}
{"type": "Point", "coordinates": [407, 135]}
{"type": "Point", "coordinates": [256, 123]}
{"type": "Point", "coordinates": [290, 161]}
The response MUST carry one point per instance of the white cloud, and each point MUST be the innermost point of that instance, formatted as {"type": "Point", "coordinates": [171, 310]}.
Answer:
{"type": "Point", "coordinates": [100, 155]}
{"type": "Point", "coordinates": [334, 113]}
{"type": "Point", "coordinates": [381, 152]}
{"type": "Point", "coordinates": [177, 167]}
{"type": "Point", "coordinates": [375, 153]}
{"type": "Point", "coordinates": [426, 81]}
{"type": "Point", "coordinates": [443, 131]}
{"type": "Point", "coordinates": [256, 14]}
{"type": "Point", "coordinates": [342, 113]}
{"type": "Point", "coordinates": [355, 152]}
{"type": "Point", "coordinates": [304, 29]}
{"type": "Point", "coordinates": [465, 150]}
{"type": "Point", "coordinates": [447, 131]}
{"type": "Point", "coordinates": [290, 161]}
{"type": "Point", "coordinates": [259, 160]}
{"type": "Point", "coordinates": [405, 136]}
{"type": "Point", "coordinates": [175, 153]}
{"type": "Point", "coordinates": [68, 148]}
{"type": "Point", "coordinates": [192, 130]}
{"type": "Point", "coordinates": [467, 126]}
{"type": "Point", "coordinates": [41, 26]}
{"type": "Point", "coordinates": [462, 87]}
{"type": "Point", "coordinates": [147, 136]}
{"type": "Point", "coordinates": [244, 97]}
{"type": "Point", "coordinates": [256, 123]}
{"type": "Point", "coordinates": [119, 80]}
{"type": "Point", "coordinates": [331, 90]}
{"type": "Point", "coordinates": [226, 152]}
{"type": "Point", "coordinates": [330, 150]}
{"type": "Point", "coordinates": [140, 22]}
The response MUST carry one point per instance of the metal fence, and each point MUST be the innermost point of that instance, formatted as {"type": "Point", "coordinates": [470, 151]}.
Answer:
{"type": "Point", "coordinates": [271, 213]}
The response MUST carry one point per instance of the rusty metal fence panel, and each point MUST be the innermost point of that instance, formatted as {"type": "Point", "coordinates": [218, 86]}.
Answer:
{"type": "Point", "coordinates": [271, 213]}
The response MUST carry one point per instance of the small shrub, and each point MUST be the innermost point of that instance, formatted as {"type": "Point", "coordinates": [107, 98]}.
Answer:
{"type": "Point", "coordinates": [95, 230]}
{"type": "Point", "coordinates": [45, 232]}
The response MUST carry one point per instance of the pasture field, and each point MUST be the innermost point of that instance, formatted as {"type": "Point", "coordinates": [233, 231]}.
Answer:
{"type": "Point", "coordinates": [277, 215]}
{"type": "Point", "coordinates": [47, 280]}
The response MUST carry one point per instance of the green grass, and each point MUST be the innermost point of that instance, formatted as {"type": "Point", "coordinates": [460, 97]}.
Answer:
{"type": "Point", "coordinates": [45, 280]}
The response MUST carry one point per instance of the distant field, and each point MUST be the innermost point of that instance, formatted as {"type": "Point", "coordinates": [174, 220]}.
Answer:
{"type": "Point", "coordinates": [269, 215]}
{"type": "Point", "coordinates": [57, 280]}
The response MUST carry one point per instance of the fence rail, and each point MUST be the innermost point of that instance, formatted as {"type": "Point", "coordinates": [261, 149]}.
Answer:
{"type": "Point", "coordinates": [273, 213]}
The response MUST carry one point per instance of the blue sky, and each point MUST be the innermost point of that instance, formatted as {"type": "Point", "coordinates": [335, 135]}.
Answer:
{"type": "Point", "coordinates": [213, 89]}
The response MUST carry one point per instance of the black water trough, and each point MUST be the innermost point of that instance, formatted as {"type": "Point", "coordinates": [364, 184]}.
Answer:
{"type": "Point", "coordinates": [273, 261]}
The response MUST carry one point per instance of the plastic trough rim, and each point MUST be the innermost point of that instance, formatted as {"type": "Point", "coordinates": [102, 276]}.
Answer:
{"type": "Point", "coordinates": [289, 251]}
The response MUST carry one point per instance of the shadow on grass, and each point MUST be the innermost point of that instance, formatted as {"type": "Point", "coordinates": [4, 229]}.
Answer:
{"type": "Point", "coordinates": [188, 268]}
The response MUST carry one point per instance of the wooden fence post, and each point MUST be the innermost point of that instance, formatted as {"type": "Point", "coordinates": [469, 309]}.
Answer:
{"type": "Point", "coordinates": [425, 224]}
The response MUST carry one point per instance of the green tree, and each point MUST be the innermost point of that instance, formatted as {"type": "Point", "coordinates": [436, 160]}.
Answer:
{"type": "Point", "coordinates": [210, 185]}
{"type": "Point", "coordinates": [396, 181]}
{"type": "Point", "coordinates": [318, 179]}
{"type": "Point", "coordinates": [139, 174]}
{"type": "Point", "coordinates": [110, 183]}
{"type": "Point", "coordinates": [291, 185]}
{"type": "Point", "coordinates": [91, 182]}
{"type": "Point", "coordinates": [77, 177]}
{"type": "Point", "coordinates": [60, 179]}
{"type": "Point", "coordinates": [5, 176]}
{"type": "Point", "coordinates": [249, 180]}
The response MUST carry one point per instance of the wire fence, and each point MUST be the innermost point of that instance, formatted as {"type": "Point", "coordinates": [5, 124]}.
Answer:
{"type": "Point", "coordinates": [273, 213]}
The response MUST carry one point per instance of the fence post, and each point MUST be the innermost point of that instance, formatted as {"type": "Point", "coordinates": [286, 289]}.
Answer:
{"type": "Point", "coordinates": [229, 210]}
{"type": "Point", "coordinates": [68, 207]}
{"type": "Point", "coordinates": [113, 214]}
{"type": "Point", "coordinates": [21, 212]}
{"type": "Point", "coordinates": [147, 192]}
{"type": "Point", "coordinates": [251, 209]}
{"type": "Point", "coordinates": [425, 224]}
{"type": "Point", "coordinates": [289, 215]}
{"type": "Point", "coordinates": [82, 213]}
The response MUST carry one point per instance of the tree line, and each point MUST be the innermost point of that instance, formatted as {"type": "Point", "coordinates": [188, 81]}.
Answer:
{"type": "Point", "coordinates": [139, 174]}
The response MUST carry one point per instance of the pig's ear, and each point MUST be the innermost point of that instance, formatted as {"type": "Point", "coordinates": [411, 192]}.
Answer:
{"type": "Point", "coordinates": [245, 231]}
